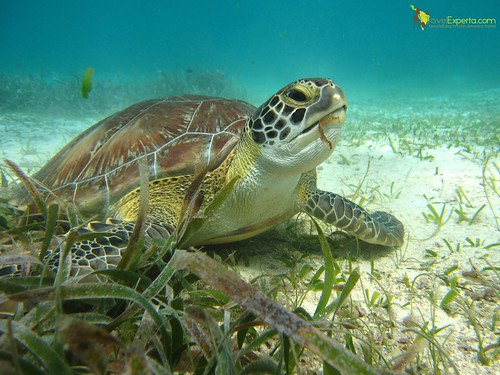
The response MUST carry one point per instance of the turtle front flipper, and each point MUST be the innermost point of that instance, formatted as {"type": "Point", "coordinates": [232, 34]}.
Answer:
{"type": "Point", "coordinates": [379, 227]}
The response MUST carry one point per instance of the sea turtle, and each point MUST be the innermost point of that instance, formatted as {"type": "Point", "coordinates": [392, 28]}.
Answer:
{"type": "Point", "coordinates": [267, 155]}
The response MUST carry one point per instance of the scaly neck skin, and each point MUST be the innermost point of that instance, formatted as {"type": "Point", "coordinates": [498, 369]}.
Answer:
{"type": "Point", "coordinates": [245, 157]}
{"type": "Point", "coordinates": [250, 163]}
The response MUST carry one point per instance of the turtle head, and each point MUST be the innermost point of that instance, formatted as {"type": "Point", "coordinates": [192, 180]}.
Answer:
{"type": "Point", "coordinates": [300, 124]}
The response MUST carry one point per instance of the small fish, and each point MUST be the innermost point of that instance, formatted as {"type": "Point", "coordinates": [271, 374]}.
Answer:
{"type": "Point", "coordinates": [87, 82]}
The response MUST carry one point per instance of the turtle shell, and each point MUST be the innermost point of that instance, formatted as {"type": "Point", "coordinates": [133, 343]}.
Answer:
{"type": "Point", "coordinates": [174, 136]}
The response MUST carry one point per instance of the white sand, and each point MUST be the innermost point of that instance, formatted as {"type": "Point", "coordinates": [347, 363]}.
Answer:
{"type": "Point", "coordinates": [420, 183]}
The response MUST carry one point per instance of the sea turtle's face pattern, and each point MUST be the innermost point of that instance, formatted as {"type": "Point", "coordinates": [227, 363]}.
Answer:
{"type": "Point", "coordinates": [296, 110]}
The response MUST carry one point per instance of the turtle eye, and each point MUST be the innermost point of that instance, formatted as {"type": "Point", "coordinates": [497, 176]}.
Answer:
{"type": "Point", "coordinates": [297, 96]}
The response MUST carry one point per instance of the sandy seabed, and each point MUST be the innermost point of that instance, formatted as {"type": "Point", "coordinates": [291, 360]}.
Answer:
{"type": "Point", "coordinates": [415, 184]}
{"type": "Point", "coordinates": [405, 186]}
{"type": "Point", "coordinates": [401, 185]}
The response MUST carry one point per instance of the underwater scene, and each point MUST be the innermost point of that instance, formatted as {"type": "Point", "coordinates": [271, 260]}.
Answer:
{"type": "Point", "coordinates": [270, 187]}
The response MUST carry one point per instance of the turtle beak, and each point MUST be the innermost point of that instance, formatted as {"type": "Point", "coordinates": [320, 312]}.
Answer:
{"type": "Point", "coordinates": [338, 107]}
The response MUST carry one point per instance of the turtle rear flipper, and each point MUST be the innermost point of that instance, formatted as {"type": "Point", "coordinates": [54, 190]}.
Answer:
{"type": "Point", "coordinates": [99, 246]}
{"type": "Point", "coordinates": [105, 250]}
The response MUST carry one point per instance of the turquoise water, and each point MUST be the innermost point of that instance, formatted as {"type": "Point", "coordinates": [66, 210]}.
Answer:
{"type": "Point", "coordinates": [368, 47]}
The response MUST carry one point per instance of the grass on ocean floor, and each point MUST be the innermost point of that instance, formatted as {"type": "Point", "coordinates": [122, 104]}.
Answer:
{"type": "Point", "coordinates": [180, 311]}
{"type": "Point", "coordinates": [166, 324]}
{"type": "Point", "coordinates": [186, 312]}
{"type": "Point", "coordinates": [415, 127]}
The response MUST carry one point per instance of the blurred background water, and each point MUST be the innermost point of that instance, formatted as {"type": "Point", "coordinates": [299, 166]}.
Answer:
{"type": "Point", "coordinates": [369, 47]}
